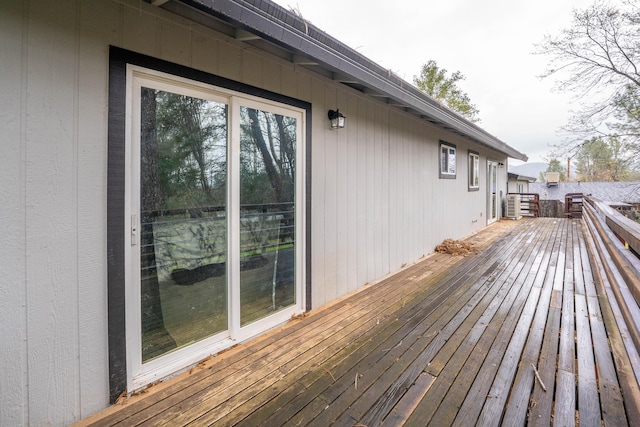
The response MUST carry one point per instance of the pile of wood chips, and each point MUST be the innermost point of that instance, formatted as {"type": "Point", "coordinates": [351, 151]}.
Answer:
{"type": "Point", "coordinates": [456, 247]}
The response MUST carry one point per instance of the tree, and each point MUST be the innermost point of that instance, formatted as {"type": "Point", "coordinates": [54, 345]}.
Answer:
{"type": "Point", "coordinates": [192, 146]}
{"type": "Point", "coordinates": [433, 80]}
{"type": "Point", "coordinates": [598, 59]}
{"type": "Point", "coordinates": [602, 160]}
{"type": "Point", "coordinates": [627, 122]}
{"type": "Point", "coordinates": [592, 160]}
{"type": "Point", "coordinates": [267, 160]}
{"type": "Point", "coordinates": [554, 166]}
{"type": "Point", "coordinates": [155, 337]}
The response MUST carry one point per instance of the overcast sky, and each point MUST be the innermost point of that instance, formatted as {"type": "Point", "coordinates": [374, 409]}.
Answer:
{"type": "Point", "coordinates": [491, 42]}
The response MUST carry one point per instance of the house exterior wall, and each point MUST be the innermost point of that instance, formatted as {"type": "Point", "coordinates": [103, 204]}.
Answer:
{"type": "Point", "coordinates": [376, 199]}
{"type": "Point", "coordinates": [518, 186]}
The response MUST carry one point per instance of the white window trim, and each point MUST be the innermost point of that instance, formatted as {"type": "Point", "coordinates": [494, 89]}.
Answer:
{"type": "Point", "coordinates": [451, 153]}
{"type": "Point", "coordinates": [138, 374]}
{"type": "Point", "coordinates": [474, 170]}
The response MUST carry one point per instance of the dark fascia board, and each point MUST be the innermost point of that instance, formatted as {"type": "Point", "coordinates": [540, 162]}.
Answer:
{"type": "Point", "coordinates": [515, 176]}
{"type": "Point", "coordinates": [292, 33]}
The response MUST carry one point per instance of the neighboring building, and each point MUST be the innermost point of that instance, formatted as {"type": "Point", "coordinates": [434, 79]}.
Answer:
{"type": "Point", "coordinates": [171, 187]}
{"type": "Point", "coordinates": [518, 183]}
{"type": "Point", "coordinates": [623, 196]}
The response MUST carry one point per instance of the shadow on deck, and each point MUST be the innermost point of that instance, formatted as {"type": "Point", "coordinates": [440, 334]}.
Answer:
{"type": "Point", "coordinates": [447, 341]}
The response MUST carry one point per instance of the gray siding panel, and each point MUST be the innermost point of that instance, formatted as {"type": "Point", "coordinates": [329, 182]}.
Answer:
{"type": "Point", "coordinates": [376, 201]}
{"type": "Point", "coordinates": [52, 230]}
{"type": "Point", "coordinates": [99, 28]}
{"type": "Point", "coordinates": [13, 338]}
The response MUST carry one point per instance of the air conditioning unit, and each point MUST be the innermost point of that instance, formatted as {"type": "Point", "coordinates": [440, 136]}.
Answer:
{"type": "Point", "coordinates": [513, 206]}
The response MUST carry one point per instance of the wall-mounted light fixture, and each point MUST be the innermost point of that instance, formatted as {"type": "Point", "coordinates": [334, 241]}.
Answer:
{"type": "Point", "coordinates": [501, 165]}
{"type": "Point", "coordinates": [337, 119]}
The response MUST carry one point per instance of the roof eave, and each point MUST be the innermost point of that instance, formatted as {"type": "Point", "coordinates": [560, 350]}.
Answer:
{"type": "Point", "coordinates": [290, 32]}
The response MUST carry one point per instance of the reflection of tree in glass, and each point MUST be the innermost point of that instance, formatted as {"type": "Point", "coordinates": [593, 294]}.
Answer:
{"type": "Point", "coordinates": [192, 136]}
{"type": "Point", "coordinates": [267, 158]}
{"type": "Point", "coordinates": [183, 166]}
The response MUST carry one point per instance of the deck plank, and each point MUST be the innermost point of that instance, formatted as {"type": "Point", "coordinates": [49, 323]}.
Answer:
{"type": "Point", "coordinates": [588, 395]}
{"type": "Point", "coordinates": [399, 370]}
{"type": "Point", "coordinates": [481, 337]}
{"type": "Point", "coordinates": [344, 315]}
{"type": "Point", "coordinates": [479, 393]}
{"type": "Point", "coordinates": [258, 377]}
{"type": "Point", "coordinates": [453, 353]}
{"type": "Point", "coordinates": [520, 397]}
{"type": "Point", "coordinates": [541, 401]}
{"type": "Point", "coordinates": [507, 369]}
{"type": "Point", "coordinates": [446, 341]}
{"type": "Point", "coordinates": [326, 409]}
{"type": "Point", "coordinates": [367, 355]}
{"type": "Point", "coordinates": [565, 396]}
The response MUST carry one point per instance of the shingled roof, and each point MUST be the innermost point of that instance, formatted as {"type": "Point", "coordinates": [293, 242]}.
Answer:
{"type": "Point", "coordinates": [613, 192]}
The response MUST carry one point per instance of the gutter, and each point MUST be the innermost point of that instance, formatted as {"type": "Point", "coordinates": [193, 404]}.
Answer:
{"type": "Point", "coordinates": [286, 30]}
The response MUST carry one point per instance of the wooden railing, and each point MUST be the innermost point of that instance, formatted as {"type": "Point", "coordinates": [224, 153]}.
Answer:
{"type": "Point", "coordinates": [615, 240]}
{"type": "Point", "coordinates": [573, 205]}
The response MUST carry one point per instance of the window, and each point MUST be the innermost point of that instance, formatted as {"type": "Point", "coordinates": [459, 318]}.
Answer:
{"type": "Point", "coordinates": [447, 161]}
{"type": "Point", "coordinates": [474, 174]}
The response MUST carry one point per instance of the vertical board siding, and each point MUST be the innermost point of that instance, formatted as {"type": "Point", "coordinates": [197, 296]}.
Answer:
{"type": "Point", "coordinates": [271, 73]}
{"type": "Point", "coordinates": [376, 200]}
{"type": "Point", "coordinates": [361, 192]}
{"type": "Point", "coordinates": [230, 61]}
{"type": "Point", "coordinates": [318, 213]}
{"type": "Point", "coordinates": [343, 241]}
{"type": "Point", "coordinates": [288, 81]}
{"type": "Point", "coordinates": [329, 172]}
{"type": "Point", "coordinates": [351, 185]}
{"type": "Point", "coordinates": [369, 187]}
{"type": "Point", "coordinates": [173, 42]}
{"type": "Point", "coordinates": [205, 54]}
{"type": "Point", "coordinates": [139, 31]}
{"type": "Point", "coordinates": [251, 69]}
{"type": "Point", "coordinates": [51, 216]}
{"type": "Point", "coordinates": [99, 28]}
{"type": "Point", "coordinates": [13, 365]}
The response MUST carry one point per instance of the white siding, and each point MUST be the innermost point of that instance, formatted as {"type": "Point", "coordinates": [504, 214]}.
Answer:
{"type": "Point", "coordinates": [13, 298]}
{"type": "Point", "coordinates": [516, 185]}
{"type": "Point", "coordinates": [99, 28]}
{"type": "Point", "coordinates": [52, 213]}
{"type": "Point", "coordinates": [377, 202]}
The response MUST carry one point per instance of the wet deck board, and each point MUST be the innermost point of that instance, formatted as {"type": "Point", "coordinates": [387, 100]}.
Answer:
{"type": "Point", "coordinates": [449, 340]}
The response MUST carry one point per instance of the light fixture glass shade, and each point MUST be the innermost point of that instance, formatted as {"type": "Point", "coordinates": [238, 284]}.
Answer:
{"type": "Point", "coordinates": [337, 119]}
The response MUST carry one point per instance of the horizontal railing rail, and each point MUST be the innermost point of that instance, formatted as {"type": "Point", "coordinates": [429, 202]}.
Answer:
{"type": "Point", "coordinates": [619, 269]}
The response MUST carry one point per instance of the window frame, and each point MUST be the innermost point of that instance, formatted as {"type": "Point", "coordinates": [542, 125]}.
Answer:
{"type": "Point", "coordinates": [119, 60]}
{"type": "Point", "coordinates": [451, 167]}
{"type": "Point", "coordinates": [473, 170]}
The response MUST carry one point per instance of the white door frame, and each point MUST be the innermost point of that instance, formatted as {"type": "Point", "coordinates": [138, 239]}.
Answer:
{"type": "Point", "coordinates": [140, 374]}
{"type": "Point", "coordinates": [493, 201]}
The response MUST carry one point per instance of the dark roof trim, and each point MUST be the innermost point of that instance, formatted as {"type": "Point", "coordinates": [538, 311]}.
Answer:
{"type": "Point", "coordinates": [516, 176]}
{"type": "Point", "coordinates": [292, 33]}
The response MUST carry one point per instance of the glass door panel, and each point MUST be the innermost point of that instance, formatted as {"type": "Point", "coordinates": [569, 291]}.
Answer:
{"type": "Point", "coordinates": [492, 196]}
{"type": "Point", "coordinates": [267, 214]}
{"type": "Point", "coordinates": [183, 224]}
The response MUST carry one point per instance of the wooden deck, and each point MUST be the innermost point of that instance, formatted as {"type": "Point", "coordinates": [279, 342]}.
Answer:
{"type": "Point", "coordinates": [447, 341]}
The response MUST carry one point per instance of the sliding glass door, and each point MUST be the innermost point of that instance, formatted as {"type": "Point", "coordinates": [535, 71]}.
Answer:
{"type": "Point", "coordinates": [267, 213]}
{"type": "Point", "coordinates": [213, 219]}
{"type": "Point", "coordinates": [492, 195]}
